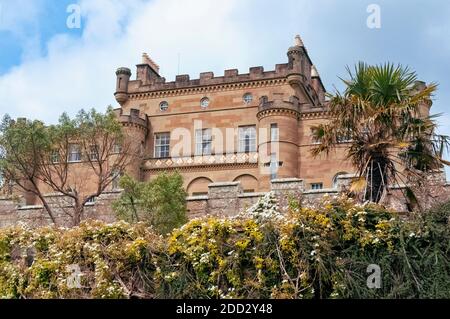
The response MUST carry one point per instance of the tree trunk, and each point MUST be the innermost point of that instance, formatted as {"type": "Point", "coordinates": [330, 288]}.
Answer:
{"type": "Point", "coordinates": [376, 180]}
{"type": "Point", "coordinates": [47, 208]}
{"type": "Point", "coordinates": [77, 214]}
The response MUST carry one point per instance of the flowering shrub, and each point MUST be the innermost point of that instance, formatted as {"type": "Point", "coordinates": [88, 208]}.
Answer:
{"type": "Point", "coordinates": [321, 251]}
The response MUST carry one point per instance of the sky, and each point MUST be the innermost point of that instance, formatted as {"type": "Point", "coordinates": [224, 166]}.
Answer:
{"type": "Point", "coordinates": [48, 66]}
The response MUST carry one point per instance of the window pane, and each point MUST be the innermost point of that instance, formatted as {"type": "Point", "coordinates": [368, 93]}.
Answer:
{"type": "Point", "coordinates": [274, 132]}
{"type": "Point", "coordinates": [74, 153]}
{"type": "Point", "coordinates": [162, 145]}
{"type": "Point", "coordinates": [247, 138]}
{"type": "Point", "coordinates": [203, 142]}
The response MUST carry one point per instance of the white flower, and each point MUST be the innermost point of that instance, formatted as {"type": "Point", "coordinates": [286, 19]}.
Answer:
{"type": "Point", "coordinates": [265, 210]}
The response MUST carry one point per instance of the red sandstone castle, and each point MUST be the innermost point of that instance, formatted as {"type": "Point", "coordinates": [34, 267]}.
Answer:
{"type": "Point", "coordinates": [249, 128]}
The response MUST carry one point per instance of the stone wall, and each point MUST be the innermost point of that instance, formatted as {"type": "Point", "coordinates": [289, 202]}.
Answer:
{"type": "Point", "coordinates": [35, 216]}
{"type": "Point", "coordinates": [223, 199]}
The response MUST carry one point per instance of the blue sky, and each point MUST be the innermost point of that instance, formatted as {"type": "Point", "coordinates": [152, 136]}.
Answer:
{"type": "Point", "coordinates": [47, 68]}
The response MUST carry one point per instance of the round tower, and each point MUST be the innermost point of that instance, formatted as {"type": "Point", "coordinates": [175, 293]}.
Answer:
{"type": "Point", "coordinates": [278, 143]}
{"type": "Point", "coordinates": [123, 78]}
{"type": "Point", "coordinates": [136, 141]}
{"type": "Point", "coordinates": [298, 62]}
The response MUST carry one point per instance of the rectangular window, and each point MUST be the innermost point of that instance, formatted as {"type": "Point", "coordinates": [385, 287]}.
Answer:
{"type": "Point", "coordinates": [162, 145]}
{"type": "Point", "coordinates": [344, 138]}
{"type": "Point", "coordinates": [274, 132]}
{"type": "Point", "coordinates": [247, 139]}
{"type": "Point", "coordinates": [203, 142]}
{"type": "Point", "coordinates": [117, 148]}
{"type": "Point", "coordinates": [54, 157]}
{"type": "Point", "coordinates": [93, 152]}
{"type": "Point", "coordinates": [74, 153]}
{"type": "Point", "coordinates": [316, 186]}
{"type": "Point", "coordinates": [274, 166]}
{"type": "Point", "coordinates": [115, 183]}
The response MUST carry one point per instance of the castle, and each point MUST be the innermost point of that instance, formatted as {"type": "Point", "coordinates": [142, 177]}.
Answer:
{"type": "Point", "coordinates": [249, 128]}
{"type": "Point", "coordinates": [232, 137]}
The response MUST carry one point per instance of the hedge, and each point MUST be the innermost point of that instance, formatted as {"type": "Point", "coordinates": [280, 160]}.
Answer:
{"type": "Point", "coordinates": [321, 251]}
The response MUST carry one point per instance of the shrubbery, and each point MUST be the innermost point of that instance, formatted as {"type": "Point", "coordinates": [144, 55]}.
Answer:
{"type": "Point", "coordinates": [160, 202]}
{"type": "Point", "coordinates": [309, 252]}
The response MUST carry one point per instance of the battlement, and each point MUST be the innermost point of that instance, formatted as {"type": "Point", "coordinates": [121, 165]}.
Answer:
{"type": "Point", "coordinates": [135, 117]}
{"type": "Point", "coordinates": [298, 72]}
{"type": "Point", "coordinates": [208, 78]}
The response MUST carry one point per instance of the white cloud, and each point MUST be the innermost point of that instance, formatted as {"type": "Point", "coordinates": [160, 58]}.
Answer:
{"type": "Point", "coordinates": [79, 72]}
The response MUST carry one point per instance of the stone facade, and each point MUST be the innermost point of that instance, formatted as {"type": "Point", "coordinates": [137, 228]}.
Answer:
{"type": "Point", "coordinates": [288, 100]}
{"type": "Point", "coordinates": [232, 137]}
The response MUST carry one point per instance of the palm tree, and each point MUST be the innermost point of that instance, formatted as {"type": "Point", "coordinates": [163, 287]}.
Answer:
{"type": "Point", "coordinates": [383, 116]}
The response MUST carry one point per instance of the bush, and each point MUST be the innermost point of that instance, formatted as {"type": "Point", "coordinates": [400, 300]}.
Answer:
{"type": "Point", "coordinates": [160, 202]}
{"type": "Point", "coordinates": [308, 252]}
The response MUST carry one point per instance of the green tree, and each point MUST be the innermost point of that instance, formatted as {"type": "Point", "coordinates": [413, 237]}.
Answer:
{"type": "Point", "coordinates": [24, 145]}
{"type": "Point", "coordinates": [160, 202]}
{"type": "Point", "coordinates": [390, 139]}
{"type": "Point", "coordinates": [78, 158]}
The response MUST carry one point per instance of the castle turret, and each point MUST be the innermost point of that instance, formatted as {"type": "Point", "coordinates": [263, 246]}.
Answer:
{"type": "Point", "coordinates": [123, 78]}
{"type": "Point", "coordinates": [279, 152]}
{"type": "Point", "coordinates": [299, 63]}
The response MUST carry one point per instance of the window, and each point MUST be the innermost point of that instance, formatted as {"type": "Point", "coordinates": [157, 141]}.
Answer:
{"type": "Point", "coordinates": [247, 139]}
{"type": "Point", "coordinates": [203, 142]}
{"type": "Point", "coordinates": [204, 103]}
{"type": "Point", "coordinates": [162, 145]}
{"type": "Point", "coordinates": [316, 186]}
{"type": "Point", "coordinates": [74, 153]}
{"type": "Point", "coordinates": [163, 106]}
{"type": "Point", "coordinates": [54, 157]}
{"type": "Point", "coordinates": [117, 148]}
{"type": "Point", "coordinates": [344, 138]}
{"type": "Point", "coordinates": [134, 113]}
{"type": "Point", "coordinates": [93, 152]}
{"type": "Point", "coordinates": [315, 140]}
{"type": "Point", "coordinates": [91, 200]}
{"type": "Point", "coordinates": [116, 175]}
{"type": "Point", "coordinates": [248, 98]}
{"type": "Point", "coordinates": [273, 166]}
{"type": "Point", "coordinates": [274, 132]}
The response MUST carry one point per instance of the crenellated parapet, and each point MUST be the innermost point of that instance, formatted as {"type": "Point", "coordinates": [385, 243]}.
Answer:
{"type": "Point", "coordinates": [299, 73]}
{"type": "Point", "coordinates": [279, 106]}
{"type": "Point", "coordinates": [134, 119]}
{"type": "Point", "coordinates": [207, 79]}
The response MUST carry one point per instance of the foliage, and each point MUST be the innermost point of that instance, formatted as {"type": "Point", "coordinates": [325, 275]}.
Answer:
{"type": "Point", "coordinates": [160, 202]}
{"type": "Point", "coordinates": [319, 251]}
{"type": "Point", "coordinates": [23, 146]}
{"type": "Point", "coordinates": [37, 158]}
{"type": "Point", "coordinates": [383, 117]}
